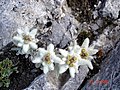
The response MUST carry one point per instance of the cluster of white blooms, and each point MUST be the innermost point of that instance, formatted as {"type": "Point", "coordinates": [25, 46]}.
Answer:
{"type": "Point", "coordinates": [25, 40]}
{"type": "Point", "coordinates": [77, 56]}
{"type": "Point", "coordinates": [70, 59]}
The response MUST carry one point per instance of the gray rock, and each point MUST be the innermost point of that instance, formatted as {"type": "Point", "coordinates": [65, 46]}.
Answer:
{"type": "Point", "coordinates": [107, 40]}
{"type": "Point", "coordinates": [17, 14]}
{"type": "Point", "coordinates": [21, 13]}
{"type": "Point", "coordinates": [105, 8]}
{"type": "Point", "coordinates": [42, 83]}
{"type": "Point", "coordinates": [112, 7]}
{"type": "Point", "coordinates": [51, 82]}
{"type": "Point", "coordinates": [7, 28]}
{"type": "Point", "coordinates": [74, 83]}
{"type": "Point", "coordinates": [94, 26]}
{"type": "Point", "coordinates": [108, 77]}
{"type": "Point", "coordinates": [62, 30]}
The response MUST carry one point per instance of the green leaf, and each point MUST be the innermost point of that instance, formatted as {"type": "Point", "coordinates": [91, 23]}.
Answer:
{"type": "Point", "coordinates": [6, 83]}
{"type": "Point", "coordinates": [6, 69]}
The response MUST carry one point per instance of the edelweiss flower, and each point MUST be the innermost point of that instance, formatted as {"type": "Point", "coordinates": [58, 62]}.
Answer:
{"type": "Point", "coordinates": [71, 62]}
{"type": "Point", "coordinates": [47, 58]}
{"type": "Point", "coordinates": [26, 39]}
{"type": "Point", "coordinates": [85, 53]}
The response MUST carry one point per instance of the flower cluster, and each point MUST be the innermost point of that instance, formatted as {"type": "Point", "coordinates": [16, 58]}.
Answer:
{"type": "Point", "coordinates": [25, 40]}
{"type": "Point", "coordinates": [76, 56]}
{"type": "Point", "coordinates": [70, 59]}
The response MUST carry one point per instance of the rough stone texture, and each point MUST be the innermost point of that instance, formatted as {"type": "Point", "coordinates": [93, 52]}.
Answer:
{"type": "Point", "coordinates": [32, 13]}
{"type": "Point", "coordinates": [107, 40]}
{"type": "Point", "coordinates": [50, 82]}
{"type": "Point", "coordinates": [112, 8]}
{"type": "Point", "coordinates": [108, 77]}
{"type": "Point", "coordinates": [64, 30]}
{"type": "Point", "coordinates": [7, 28]}
{"type": "Point", "coordinates": [16, 14]}
{"type": "Point", "coordinates": [41, 83]}
{"type": "Point", "coordinates": [56, 24]}
{"type": "Point", "coordinates": [74, 83]}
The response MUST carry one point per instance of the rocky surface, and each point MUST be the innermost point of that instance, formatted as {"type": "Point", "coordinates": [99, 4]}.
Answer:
{"type": "Point", "coordinates": [64, 82]}
{"type": "Point", "coordinates": [107, 41]}
{"type": "Point", "coordinates": [108, 76]}
{"type": "Point", "coordinates": [59, 22]}
{"type": "Point", "coordinates": [40, 14]}
{"type": "Point", "coordinates": [112, 8]}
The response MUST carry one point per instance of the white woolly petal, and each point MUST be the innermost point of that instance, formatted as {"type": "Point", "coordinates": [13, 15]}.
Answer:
{"type": "Point", "coordinates": [58, 60]}
{"type": "Point", "coordinates": [20, 44]}
{"type": "Point", "coordinates": [37, 60]}
{"type": "Point", "coordinates": [70, 48]}
{"type": "Point", "coordinates": [90, 58]}
{"type": "Point", "coordinates": [76, 68]}
{"type": "Point", "coordinates": [45, 69]}
{"type": "Point", "coordinates": [77, 49]}
{"type": "Point", "coordinates": [72, 53]}
{"type": "Point", "coordinates": [33, 33]}
{"type": "Point", "coordinates": [51, 60]}
{"type": "Point", "coordinates": [44, 64]}
{"type": "Point", "coordinates": [72, 71]}
{"type": "Point", "coordinates": [26, 31]}
{"type": "Point", "coordinates": [42, 51]}
{"type": "Point", "coordinates": [64, 59]}
{"type": "Point", "coordinates": [51, 66]}
{"type": "Point", "coordinates": [85, 43]}
{"type": "Point", "coordinates": [75, 42]}
{"type": "Point", "coordinates": [92, 45]}
{"type": "Point", "coordinates": [50, 47]}
{"type": "Point", "coordinates": [18, 38]}
{"type": "Point", "coordinates": [63, 68]}
{"type": "Point", "coordinates": [25, 48]}
{"type": "Point", "coordinates": [19, 31]}
{"type": "Point", "coordinates": [33, 45]}
{"type": "Point", "coordinates": [34, 40]}
{"type": "Point", "coordinates": [92, 51]}
{"type": "Point", "coordinates": [85, 62]}
{"type": "Point", "coordinates": [73, 46]}
{"type": "Point", "coordinates": [63, 52]}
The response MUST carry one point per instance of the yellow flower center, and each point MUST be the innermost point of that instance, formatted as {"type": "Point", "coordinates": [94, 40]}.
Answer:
{"type": "Point", "coordinates": [84, 54]}
{"type": "Point", "coordinates": [71, 60]}
{"type": "Point", "coordinates": [27, 38]}
{"type": "Point", "coordinates": [47, 58]}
